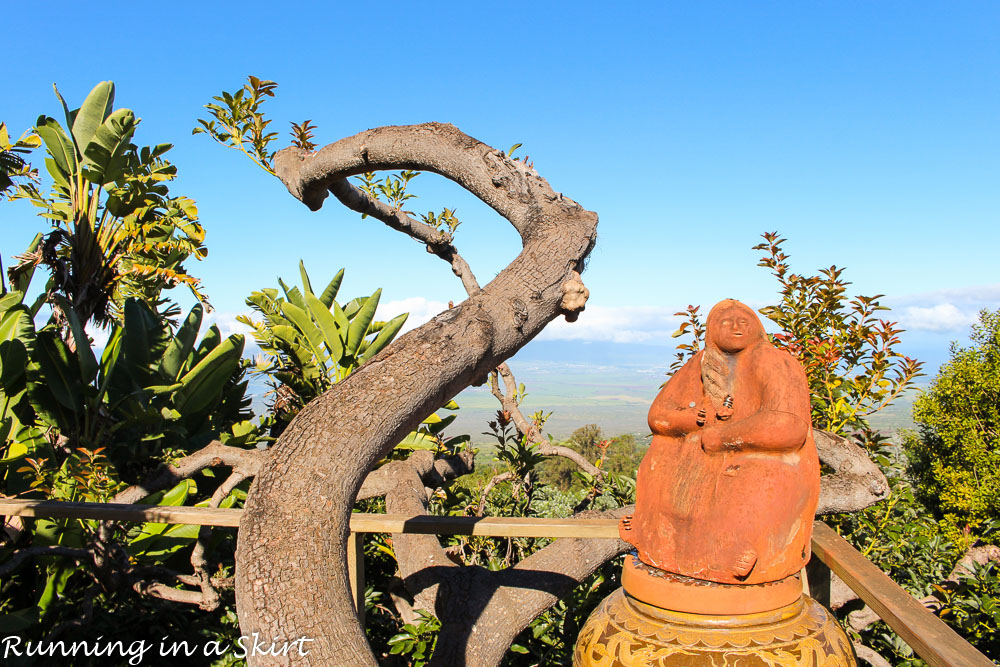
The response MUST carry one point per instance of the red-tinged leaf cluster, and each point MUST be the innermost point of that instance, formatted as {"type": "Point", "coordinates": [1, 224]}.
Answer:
{"type": "Point", "coordinates": [849, 354]}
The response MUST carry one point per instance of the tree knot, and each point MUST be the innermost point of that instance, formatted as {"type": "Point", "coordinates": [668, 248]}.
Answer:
{"type": "Point", "coordinates": [574, 298]}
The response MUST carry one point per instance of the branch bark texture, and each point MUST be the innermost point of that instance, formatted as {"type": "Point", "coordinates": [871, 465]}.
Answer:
{"type": "Point", "coordinates": [856, 481]}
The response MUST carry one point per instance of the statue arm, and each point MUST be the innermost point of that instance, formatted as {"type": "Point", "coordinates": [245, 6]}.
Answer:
{"type": "Point", "coordinates": [672, 413]}
{"type": "Point", "coordinates": [783, 421]}
{"type": "Point", "coordinates": [764, 431]}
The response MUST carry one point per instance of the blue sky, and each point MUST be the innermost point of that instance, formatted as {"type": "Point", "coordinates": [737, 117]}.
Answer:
{"type": "Point", "coordinates": [866, 133]}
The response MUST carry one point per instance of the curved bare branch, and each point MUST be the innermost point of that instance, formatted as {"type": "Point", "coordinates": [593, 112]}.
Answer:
{"type": "Point", "coordinates": [291, 578]}
{"type": "Point", "coordinates": [543, 446]}
{"type": "Point", "coordinates": [437, 241]}
{"type": "Point", "coordinates": [247, 461]}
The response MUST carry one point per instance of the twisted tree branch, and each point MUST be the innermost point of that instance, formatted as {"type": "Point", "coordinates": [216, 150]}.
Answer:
{"type": "Point", "coordinates": [298, 508]}
{"type": "Point", "coordinates": [247, 461]}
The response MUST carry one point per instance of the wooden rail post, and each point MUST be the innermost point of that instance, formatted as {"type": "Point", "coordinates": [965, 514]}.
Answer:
{"type": "Point", "coordinates": [926, 634]}
{"type": "Point", "coordinates": [356, 572]}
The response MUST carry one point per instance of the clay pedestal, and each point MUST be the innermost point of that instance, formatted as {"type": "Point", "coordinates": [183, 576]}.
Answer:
{"type": "Point", "coordinates": [624, 631]}
{"type": "Point", "coordinates": [662, 619]}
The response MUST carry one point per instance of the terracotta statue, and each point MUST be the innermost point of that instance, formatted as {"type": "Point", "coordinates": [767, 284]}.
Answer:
{"type": "Point", "coordinates": [728, 489]}
{"type": "Point", "coordinates": [723, 519]}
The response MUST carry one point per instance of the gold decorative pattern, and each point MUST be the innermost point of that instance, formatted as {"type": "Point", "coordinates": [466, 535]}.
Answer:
{"type": "Point", "coordinates": [623, 631]}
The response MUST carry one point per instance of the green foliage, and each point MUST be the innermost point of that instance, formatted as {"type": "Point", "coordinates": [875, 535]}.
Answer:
{"type": "Point", "coordinates": [310, 341]}
{"type": "Point", "coordinates": [955, 455]}
{"type": "Point", "coordinates": [12, 165]}
{"type": "Point", "coordinates": [416, 640]}
{"type": "Point", "coordinates": [78, 424]}
{"type": "Point", "coordinates": [117, 232]}
{"type": "Point", "coordinates": [848, 353]}
{"type": "Point", "coordinates": [693, 325]}
{"type": "Point", "coordinates": [850, 356]}
{"type": "Point", "coordinates": [239, 123]}
{"type": "Point", "coordinates": [902, 538]}
{"type": "Point", "coordinates": [619, 457]}
{"type": "Point", "coordinates": [303, 135]}
{"type": "Point", "coordinates": [392, 188]}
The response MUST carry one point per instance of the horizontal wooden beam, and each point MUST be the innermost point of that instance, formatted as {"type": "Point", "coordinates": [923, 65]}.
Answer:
{"type": "Point", "coordinates": [361, 523]}
{"type": "Point", "coordinates": [926, 634]}
{"type": "Point", "coordinates": [496, 526]}
{"type": "Point", "coordinates": [55, 509]}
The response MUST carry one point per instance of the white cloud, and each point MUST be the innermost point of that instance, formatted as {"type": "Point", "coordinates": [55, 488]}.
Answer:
{"type": "Point", "coordinates": [420, 309]}
{"type": "Point", "coordinates": [939, 317]}
{"type": "Point", "coordinates": [979, 296]}
{"type": "Point", "coordinates": [949, 310]}
{"type": "Point", "coordinates": [622, 324]}
{"type": "Point", "coordinates": [618, 324]}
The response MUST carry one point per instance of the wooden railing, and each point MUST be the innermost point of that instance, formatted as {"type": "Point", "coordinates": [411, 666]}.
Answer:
{"type": "Point", "coordinates": [925, 633]}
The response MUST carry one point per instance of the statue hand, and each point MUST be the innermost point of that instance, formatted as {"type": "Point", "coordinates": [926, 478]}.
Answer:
{"type": "Point", "coordinates": [711, 441]}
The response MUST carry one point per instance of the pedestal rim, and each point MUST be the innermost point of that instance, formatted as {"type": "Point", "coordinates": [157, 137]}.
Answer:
{"type": "Point", "coordinates": [667, 591]}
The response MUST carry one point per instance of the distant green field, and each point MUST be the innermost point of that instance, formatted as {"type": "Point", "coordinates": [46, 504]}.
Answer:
{"type": "Point", "coordinates": [615, 398]}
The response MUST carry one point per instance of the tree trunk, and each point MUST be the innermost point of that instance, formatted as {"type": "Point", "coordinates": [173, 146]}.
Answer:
{"type": "Point", "coordinates": [291, 576]}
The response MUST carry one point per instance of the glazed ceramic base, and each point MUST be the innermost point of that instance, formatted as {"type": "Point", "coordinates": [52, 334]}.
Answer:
{"type": "Point", "coordinates": [624, 631]}
{"type": "Point", "coordinates": [671, 591]}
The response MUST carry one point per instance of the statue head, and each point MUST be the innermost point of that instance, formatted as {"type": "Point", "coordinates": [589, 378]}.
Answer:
{"type": "Point", "coordinates": [733, 327]}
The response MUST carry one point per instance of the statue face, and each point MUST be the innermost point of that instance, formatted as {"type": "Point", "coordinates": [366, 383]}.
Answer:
{"type": "Point", "coordinates": [733, 331]}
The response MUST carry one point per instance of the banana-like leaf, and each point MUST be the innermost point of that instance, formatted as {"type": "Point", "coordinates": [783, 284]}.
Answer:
{"type": "Point", "coordinates": [293, 294]}
{"type": "Point", "coordinates": [58, 576]}
{"type": "Point", "coordinates": [203, 384]}
{"type": "Point", "coordinates": [22, 280]}
{"type": "Point", "coordinates": [69, 115]}
{"type": "Point", "coordinates": [160, 546]}
{"type": "Point", "coordinates": [60, 371]}
{"type": "Point", "coordinates": [441, 424]}
{"type": "Point", "coordinates": [9, 300]}
{"type": "Point", "coordinates": [174, 496]}
{"type": "Point", "coordinates": [306, 285]}
{"type": "Point", "coordinates": [330, 293]}
{"type": "Point", "coordinates": [180, 347]}
{"type": "Point", "coordinates": [384, 337]}
{"type": "Point", "coordinates": [60, 181]}
{"type": "Point", "coordinates": [57, 143]}
{"type": "Point", "coordinates": [359, 325]}
{"type": "Point", "coordinates": [141, 329]}
{"type": "Point", "coordinates": [328, 326]}
{"type": "Point", "coordinates": [208, 342]}
{"type": "Point", "coordinates": [92, 113]}
{"type": "Point", "coordinates": [309, 331]}
{"type": "Point", "coordinates": [353, 306]}
{"type": "Point", "coordinates": [159, 539]}
{"type": "Point", "coordinates": [285, 333]}
{"type": "Point", "coordinates": [109, 358]}
{"type": "Point", "coordinates": [13, 361]}
{"type": "Point", "coordinates": [84, 354]}
{"type": "Point", "coordinates": [418, 440]}
{"type": "Point", "coordinates": [105, 157]}
{"type": "Point", "coordinates": [340, 317]}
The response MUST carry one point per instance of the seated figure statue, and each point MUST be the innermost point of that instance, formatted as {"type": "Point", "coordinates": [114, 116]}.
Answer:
{"type": "Point", "coordinates": [728, 489]}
